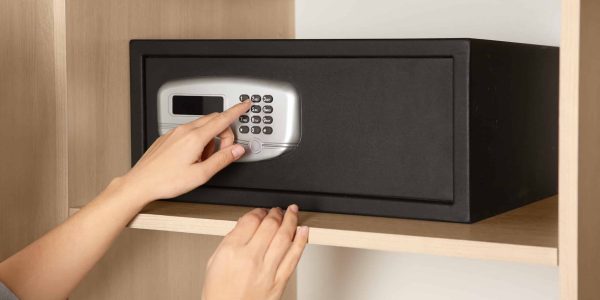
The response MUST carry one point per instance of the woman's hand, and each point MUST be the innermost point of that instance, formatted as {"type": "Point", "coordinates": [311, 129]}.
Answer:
{"type": "Point", "coordinates": [256, 259]}
{"type": "Point", "coordinates": [185, 158]}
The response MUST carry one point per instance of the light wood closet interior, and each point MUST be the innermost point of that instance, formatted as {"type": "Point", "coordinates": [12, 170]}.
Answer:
{"type": "Point", "coordinates": [65, 66]}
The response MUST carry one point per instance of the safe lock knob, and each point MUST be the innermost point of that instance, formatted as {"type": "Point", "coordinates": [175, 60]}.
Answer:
{"type": "Point", "coordinates": [255, 146]}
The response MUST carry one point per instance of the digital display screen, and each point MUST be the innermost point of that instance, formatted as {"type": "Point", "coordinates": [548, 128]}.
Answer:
{"type": "Point", "coordinates": [197, 105]}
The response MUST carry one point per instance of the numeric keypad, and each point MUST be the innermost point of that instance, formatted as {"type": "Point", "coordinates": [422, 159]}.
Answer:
{"type": "Point", "coordinates": [257, 110]}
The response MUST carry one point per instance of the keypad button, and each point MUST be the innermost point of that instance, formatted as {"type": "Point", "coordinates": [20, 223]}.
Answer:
{"type": "Point", "coordinates": [244, 129]}
{"type": "Point", "coordinates": [255, 119]}
{"type": "Point", "coordinates": [255, 129]}
{"type": "Point", "coordinates": [268, 109]}
{"type": "Point", "coordinates": [244, 119]}
{"type": "Point", "coordinates": [267, 130]}
{"type": "Point", "coordinates": [244, 97]}
{"type": "Point", "coordinates": [255, 109]}
{"type": "Point", "coordinates": [267, 120]}
{"type": "Point", "coordinates": [268, 98]}
{"type": "Point", "coordinates": [255, 98]}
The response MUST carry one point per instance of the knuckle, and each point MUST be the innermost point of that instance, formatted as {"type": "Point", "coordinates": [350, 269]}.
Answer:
{"type": "Point", "coordinates": [179, 129]}
{"type": "Point", "coordinates": [199, 140]}
{"type": "Point", "coordinates": [271, 221]}
{"type": "Point", "coordinates": [220, 117]}
{"type": "Point", "coordinates": [291, 218]}
{"type": "Point", "coordinates": [250, 219]}
{"type": "Point", "coordinates": [227, 134]}
{"type": "Point", "coordinates": [202, 176]}
{"type": "Point", "coordinates": [206, 119]}
{"type": "Point", "coordinates": [229, 240]}
{"type": "Point", "coordinates": [224, 157]}
{"type": "Point", "coordinates": [277, 214]}
{"type": "Point", "coordinates": [227, 252]}
{"type": "Point", "coordinates": [250, 262]}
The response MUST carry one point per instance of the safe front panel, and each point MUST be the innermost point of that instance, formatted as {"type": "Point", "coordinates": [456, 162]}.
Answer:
{"type": "Point", "coordinates": [375, 127]}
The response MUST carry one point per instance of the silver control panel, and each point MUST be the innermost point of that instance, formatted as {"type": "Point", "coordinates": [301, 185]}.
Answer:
{"type": "Point", "coordinates": [269, 129]}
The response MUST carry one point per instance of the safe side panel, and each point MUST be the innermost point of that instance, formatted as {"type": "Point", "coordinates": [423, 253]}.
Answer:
{"type": "Point", "coordinates": [374, 127]}
{"type": "Point", "coordinates": [514, 126]}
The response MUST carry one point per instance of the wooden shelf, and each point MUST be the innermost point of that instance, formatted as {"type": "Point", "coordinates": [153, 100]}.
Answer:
{"type": "Point", "coordinates": [528, 234]}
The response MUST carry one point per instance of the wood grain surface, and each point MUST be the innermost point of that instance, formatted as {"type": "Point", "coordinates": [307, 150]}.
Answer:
{"type": "Point", "coordinates": [141, 264]}
{"type": "Point", "coordinates": [579, 179]}
{"type": "Point", "coordinates": [528, 234]}
{"type": "Point", "coordinates": [33, 154]}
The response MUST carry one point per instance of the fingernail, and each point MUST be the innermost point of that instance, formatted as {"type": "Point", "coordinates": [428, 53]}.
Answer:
{"type": "Point", "coordinates": [237, 151]}
{"type": "Point", "coordinates": [303, 230]}
{"type": "Point", "coordinates": [246, 101]}
{"type": "Point", "coordinates": [293, 208]}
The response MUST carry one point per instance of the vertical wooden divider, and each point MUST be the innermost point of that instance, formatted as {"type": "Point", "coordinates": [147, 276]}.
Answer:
{"type": "Point", "coordinates": [33, 157]}
{"type": "Point", "coordinates": [579, 177]}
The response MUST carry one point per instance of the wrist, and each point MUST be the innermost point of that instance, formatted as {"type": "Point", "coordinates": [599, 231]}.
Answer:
{"type": "Point", "coordinates": [124, 188]}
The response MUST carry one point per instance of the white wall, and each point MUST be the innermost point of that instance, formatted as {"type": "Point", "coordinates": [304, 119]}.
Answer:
{"type": "Point", "coordinates": [529, 21]}
{"type": "Point", "coordinates": [327, 273]}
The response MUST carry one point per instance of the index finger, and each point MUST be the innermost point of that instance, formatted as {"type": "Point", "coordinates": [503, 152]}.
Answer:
{"type": "Point", "coordinates": [219, 123]}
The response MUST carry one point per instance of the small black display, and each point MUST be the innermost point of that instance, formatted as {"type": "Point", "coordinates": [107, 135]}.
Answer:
{"type": "Point", "coordinates": [197, 105]}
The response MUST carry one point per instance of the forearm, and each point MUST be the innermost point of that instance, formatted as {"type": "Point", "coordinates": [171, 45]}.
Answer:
{"type": "Point", "coordinates": [175, 164]}
{"type": "Point", "coordinates": [52, 266]}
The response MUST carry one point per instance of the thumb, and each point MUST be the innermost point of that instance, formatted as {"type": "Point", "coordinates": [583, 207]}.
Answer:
{"type": "Point", "coordinates": [219, 160]}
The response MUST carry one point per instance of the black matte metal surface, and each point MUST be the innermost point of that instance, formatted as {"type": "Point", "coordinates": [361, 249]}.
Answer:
{"type": "Point", "coordinates": [451, 129]}
{"type": "Point", "coordinates": [385, 119]}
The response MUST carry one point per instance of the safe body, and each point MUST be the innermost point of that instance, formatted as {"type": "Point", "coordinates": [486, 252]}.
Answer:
{"type": "Point", "coordinates": [444, 129]}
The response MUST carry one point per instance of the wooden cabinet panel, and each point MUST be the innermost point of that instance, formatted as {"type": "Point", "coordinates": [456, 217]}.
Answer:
{"type": "Point", "coordinates": [98, 34]}
{"type": "Point", "coordinates": [141, 264]}
{"type": "Point", "coordinates": [579, 176]}
{"type": "Point", "coordinates": [33, 158]}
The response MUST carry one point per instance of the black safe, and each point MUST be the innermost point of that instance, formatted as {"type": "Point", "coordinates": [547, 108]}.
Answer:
{"type": "Point", "coordinates": [440, 129]}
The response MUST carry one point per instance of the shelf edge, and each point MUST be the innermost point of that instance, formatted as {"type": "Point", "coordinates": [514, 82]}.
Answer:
{"type": "Point", "coordinates": [365, 240]}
